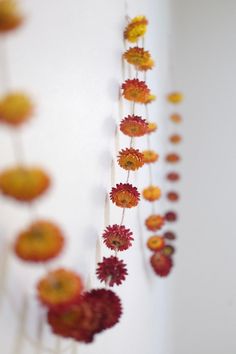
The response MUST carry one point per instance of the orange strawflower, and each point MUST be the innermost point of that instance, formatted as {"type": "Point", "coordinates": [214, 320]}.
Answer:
{"type": "Point", "coordinates": [15, 108]}
{"type": "Point", "coordinates": [175, 97]}
{"type": "Point", "coordinates": [156, 243]}
{"type": "Point", "coordinates": [10, 16]}
{"type": "Point", "coordinates": [134, 126]}
{"type": "Point", "coordinates": [154, 222]}
{"type": "Point", "coordinates": [136, 29]}
{"type": "Point", "coordinates": [40, 242]}
{"type": "Point", "coordinates": [140, 58]}
{"type": "Point", "coordinates": [59, 288]}
{"type": "Point", "coordinates": [130, 159]}
{"type": "Point", "coordinates": [24, 184]}
{"type": "Point", "coordinates": [175, 139]}
{"type": "Point", "coordinates": [176, 118]}
{"type": "Point", "coordinates": [150, 156]}
{"type": "Point", "coordinates": [172, 158]}
{"type": "Point", "coordinates": [152, 193]}
{"type": "Point", "coordinates": [172, 196]}
{"type": "Point", "coordinates": [136, 91]}
{"type": "Point", "coordinates": [124, 195]}
{"type": "Point", "coordinates": [152, 127]}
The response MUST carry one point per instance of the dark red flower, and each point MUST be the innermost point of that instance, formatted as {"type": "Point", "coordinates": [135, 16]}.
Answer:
{"type": "Point", "coordinates": [172, 196]}
{"type": "Point", "coordinates": [111, 270]}
{"type": "Point", "coordinates": [170, 216]}
{"type": "Point", "coordinates": [169, 235]}
{"type": "Point", "coordinates": [125, 195]}
{"type": "Point", "coordinates": [161, 264]}
{"type": "Point", "coordinates": [173, 176]}
{"type": "Point", "coordinates": [134, 126]}
{"type": "Point", "coordinates": [117, 237]}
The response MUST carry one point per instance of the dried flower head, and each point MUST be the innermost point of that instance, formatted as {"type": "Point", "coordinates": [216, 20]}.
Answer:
{"type": "Point", "coordinates": [23, 183]}
{"type": "Point", "coordinates": [173, 176]}
{"type": "Point", "coordinates": [134, 126]}
{"type": "Point", "coordinates": [10, 15]}
{"type": "Point", "coordinates": [40, 242]}
{"type": "Point", "coordinates": [136, 91]}
{"type": "Point", "coordinates": [170, 216]}
{"type": "Point", "coordinates": [117, 237]}
{"type": "Point", "coordinates": [156, 243]}
{"type": "Point", "coordinates": [152, 193]}
{"type": "Point", "coordinates": [111, 271]}
{"type": "Point", "coordinates": [161, 264]}
{"type": "Point", "coordinates": [136, 29]}
{"type": "Point", "coordinates": [169, 235]}
{"type": "Point", "coordinates": [175, 97]}
{"type": "Point", "coordinates": [59, 288]}
{"type": "Point", "coordinates": [152, 127]}
{"type": "Point", "coordinates": [139, 57]}
{"type": "Point", "coordinates": [150, 156]}
{"type": "Point", "coordinates": [124, 195]}
{"type": "Point", "coordinates": [172, 196]}
{"type": "Point", "coordinates": [154, 222]}
{"type": "Point", "coordinates": [172, 158]}
{"type": "Point", "coordinates": [175, 139]}
{"type": "Point", "coordinates": [176, 118]}
{"type": "Point", "coordinates": [168, 250]}
{"type": "Point", "coordinates": [15, 108]}
{"type": "Point", "coordinates": [130, 159]}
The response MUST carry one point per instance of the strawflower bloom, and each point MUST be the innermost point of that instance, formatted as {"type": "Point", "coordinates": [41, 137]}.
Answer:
{"type": "Point", "coordinates": [175, 139]}
{"type": "Point", "coordinates": [161, 264]}
{"type": "Point", "coordinates": [173, 176]}
{"type": "Point", "coordinates": [40, 242]}
{"type": "Point", "coordinates": [156, 243]}
{"type": "Point", "coordinates": [134, 126]}
{"type": "Point", "coordinates": [151, 193]}
{"type": "Point", "coordinates": [10, 15]}
{"type": "Point", "coordinates": [111, 271]}
{"type": "Point", "coordinates": [136, 91]}
{"type": "Point", "coordinates": [172, 196]}
{"type": "Point", "coordinates": [175, 97]}
{"type": "Point", "coordinates": [154, 222]}
{"type": "Point", "coordinates": [176, 118]}
{"type": "Point", "coordinates": [168, 250]}
{"type": "Point", "coordinates": [117, 237]}
{"type": "Point", "coordinates": [130, 159]}
{"type": "Point", "coordinates": [172, 158]}
{"type": "Point", "coordinates": [15, 109]}
{"type": "Point", "coordinates": [124, 195]}
{"type": "Point", "coordinates": [170, 216]}
{"type": "Point", "coordinates": [24, 184]}
{"type": "Point", "coordinates": [136, 29]}
{"type": "Point", "coordinates": [59, 288]}
{"type": "Point", "coordinates": [150, 156]}
{"type": "Point", "coordinates": [169, 235]}
{"type": "Point", "coordinates": [139, 57]}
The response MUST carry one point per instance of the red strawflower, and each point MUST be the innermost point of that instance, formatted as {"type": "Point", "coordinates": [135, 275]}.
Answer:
{"type": "Point", "coordinates": [169, 235]}
{"type": "Point", "coordinates": [124, 195]}
{"type": "Point", "coordinates": [161, 264]}
{"type": "Point", "coordinates": [112, 271]}
{"type": "Point", "coordinates": [117, 237]}
{"type": "Point", "coordinates": [170, 216]}
{"type": "Point", "coordinates": [136, 91]}
{"type": "Point", "coordinates": [134, 126]}
{"type": "Point", "coordinates": [173, 176]}
{"type": "Point", "coordinates": [172, 196]}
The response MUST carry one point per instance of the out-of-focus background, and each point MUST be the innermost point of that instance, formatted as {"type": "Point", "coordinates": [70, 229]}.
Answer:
{"type": "Point", "coordinates": [68, 57]}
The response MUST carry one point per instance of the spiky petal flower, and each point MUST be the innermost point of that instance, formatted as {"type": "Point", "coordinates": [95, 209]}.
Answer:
{"type": "Point", "coordinates": [24, 184]}
{"type": "Point", "coordinates": [171, 216]}
{"type": "Point", "coordinates": [161, 264]}
{"type": "Point", "coordinates": [150, 156]}
{"type": "Point", "coordinates": [136, 91]}
{"type": "Point", "coordinates": [139, 57]}
{"type": "Point", "coordinates": [59, 288]}
{"type": "Point", "coordinates": [172, 196]}
{"type": "Point", "coordinates": [112, 271]}
{"type": "Point", "coordinates": [151, 193]}
{"type": "Point", "coordinates": [152, 127]}
{"type": "Point", "coordinates": [136, 29]}
{"type": "Point", "coordinates": [40, 242]}
{"type": "Point", "coordinates": [154, 222]}
{"type": "Point", "coordinates": [130, 159]}
{"type": "Point", "coordinates": [172, 158]}
{"type": "Point", "coordinates": [134, 126]}
{"type": "Point", "coordinates": [15, 109]}
{"type": "Point", "coordinates": [10, 16]}
{"type": "Point", "coordinates": [117, 237]}
{"type": "Point", "coordinates": [175, 97]}
{"type": "Point", "coordinates": [173, 176]}
{"type": "Point", "coordinates": [124, 195]}
{"type": "Point", "coordinates": [156, 243]}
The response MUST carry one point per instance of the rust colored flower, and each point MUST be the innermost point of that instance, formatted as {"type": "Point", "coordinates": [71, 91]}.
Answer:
{"type": "Point", "coordinates": [172, 158]}
{"type": "Point", "coordinates": [152, 127]}
{"type": "Point", "coordinates": [175, 139]}
{"type": "Point", "coordinates": [154, 222]}
{"type": "Point", "coordinates": [136, 91]}
{"type": "Point", "coordinates": [161, 264]}
{"type": "Point", "coordinates": [156, 243]}
{"type": "Point", "coordinates": [40, 242]}
{"type": "Point", "coordinates": [152, 193]}
{"type": "Point", "coordinates": [139, 57]}
{"type": "Point", "coordinates": [136, 29]}
{"type": "Point", "coordinates": [173, 176]}
{"type": "Point", "coordinates": [15, 109]}
{"type": "Point", "coordinates": [112, 271]}
{"type": "Point", "coordinates": [176, 118]}
{"type": "Point", "coordinates": [170, 216]}
{"type": "Point", "coordinates": [172, 196]}
{"type": "Point", "coordinates": [24, 184]}
{"type": "Point", "coordinates": [117, 237]}
{"type": "Point", "coordinates": [130, 159]}
{"type": "Point", "coordinates": [134, 126]}
{"type": "Point", "coordinates": [10, 16]}
{"type": "Point", "coordinates": [175, 97]}
{"type": "Point", "coordinates": [124, 195]}
{"type": "Point", "coordinates": [59, 288]}
{"type": "Point", "coordinates": [169, 235]}
{"type": "Point", "coordinates": [168, 250]}
{"type": "Point", "coordinates": [150, 156]}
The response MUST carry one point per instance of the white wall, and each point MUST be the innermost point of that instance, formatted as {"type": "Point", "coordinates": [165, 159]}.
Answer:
{"type": "Point", "coordinates": [68, 57]}
{"type": "Point", "coordinates": [204, 50]}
